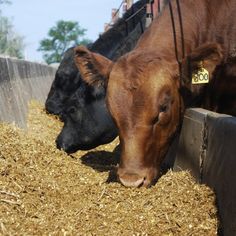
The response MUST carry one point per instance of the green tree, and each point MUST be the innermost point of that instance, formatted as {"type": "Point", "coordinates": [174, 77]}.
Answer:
{"type": "Point", "coordinates": [4, 1]}
{"type": "Point", "coordinates": [11, 44]}
{"type": "Point", "coordinates": [61, 37]}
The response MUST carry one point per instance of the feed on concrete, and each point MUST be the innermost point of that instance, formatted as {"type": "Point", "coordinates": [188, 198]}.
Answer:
{"type": "Point", "coordinates": [44, 191]}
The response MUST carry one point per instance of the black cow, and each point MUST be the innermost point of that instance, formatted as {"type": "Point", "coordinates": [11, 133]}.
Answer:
{"type": "Point", "coordinates": [66, 81]}
{"type": "Point", "coordinates": [110, 44]}
{"type": "Point", "coordinates": [87, 122]}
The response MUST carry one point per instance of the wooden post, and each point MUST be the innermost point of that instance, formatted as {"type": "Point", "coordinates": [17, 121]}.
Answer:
{"type": "Point", "coordinates": [114, 15]}
{"type": "Point", "coordinates": [149, 13]}
{"type": "Point", "coordinates": [129, 3]}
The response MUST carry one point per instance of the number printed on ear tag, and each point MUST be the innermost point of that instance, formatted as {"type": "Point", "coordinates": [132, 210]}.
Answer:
{"type": "Point", "coordinates": [200, 77]}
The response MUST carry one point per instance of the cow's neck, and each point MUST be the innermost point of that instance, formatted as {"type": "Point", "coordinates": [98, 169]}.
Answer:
{"type": "Point", "coordinates": [109, 42]}
{"type": "Point", "coordinates": [202, 22]}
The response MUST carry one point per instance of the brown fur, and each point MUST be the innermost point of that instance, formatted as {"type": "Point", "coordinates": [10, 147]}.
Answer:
{"type": "Point", "coordinates": [143, 88]}
{"type": "Point", "coordinates": [91, 68]}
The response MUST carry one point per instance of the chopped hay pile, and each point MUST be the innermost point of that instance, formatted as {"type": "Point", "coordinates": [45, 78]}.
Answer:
{"type": "Point", "coordinates": [43, 191]}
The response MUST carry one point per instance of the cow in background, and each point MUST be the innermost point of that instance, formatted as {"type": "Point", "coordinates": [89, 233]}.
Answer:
{"type": "Point", "coordinates": [149, 88]}
{"type": "Point", "coordinates": [87, 121]}
{"type": "Point", "coordinates": [68, 77]}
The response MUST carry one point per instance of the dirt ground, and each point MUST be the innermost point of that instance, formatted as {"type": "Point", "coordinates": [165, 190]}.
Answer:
{"type": "Point", "coordinates": [44, 191]}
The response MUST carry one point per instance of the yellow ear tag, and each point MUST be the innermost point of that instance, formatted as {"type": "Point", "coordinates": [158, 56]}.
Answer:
{"type": "Point", "coordinates": [201, 76]}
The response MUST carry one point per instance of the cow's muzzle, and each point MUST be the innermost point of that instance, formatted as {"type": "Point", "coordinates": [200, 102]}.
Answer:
{"type": "Point", "coordinates": [137, 178]}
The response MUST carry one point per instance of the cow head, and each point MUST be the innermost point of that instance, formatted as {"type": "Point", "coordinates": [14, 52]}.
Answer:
{"type": "Point", "coordinates": [87, 121]}
{"type": "Point", "coordinates": [144, 100]}
{"type": "Point", "coordinates": [67, 79]}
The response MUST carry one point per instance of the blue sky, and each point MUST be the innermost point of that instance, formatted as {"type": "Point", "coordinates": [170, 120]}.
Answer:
{"type": "Point", "coordinates": [33, 18]}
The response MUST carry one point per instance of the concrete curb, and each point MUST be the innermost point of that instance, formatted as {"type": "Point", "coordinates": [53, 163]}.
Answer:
{"type": "Point", "coordinates": [207, 147]}
{"type": "Point", "coordinates": [20, 82]}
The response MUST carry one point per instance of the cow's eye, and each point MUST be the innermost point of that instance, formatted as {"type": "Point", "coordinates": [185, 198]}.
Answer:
{"type": "Point", "coordinates": [163, 108]}
{"type": "Point", "coordinates": [155, 120]}
{"type": "Point", "coordinates": [71, 110]}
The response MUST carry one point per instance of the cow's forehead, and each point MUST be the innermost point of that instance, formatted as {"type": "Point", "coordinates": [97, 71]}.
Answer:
{"type": "Point", "coordinates": [138, 78]}
{"type": "Point", "coordinates": [133, 94]}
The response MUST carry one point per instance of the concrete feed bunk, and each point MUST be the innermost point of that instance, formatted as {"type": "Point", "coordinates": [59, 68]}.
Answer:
{"type": "Point", "coordinates": [21, 81]}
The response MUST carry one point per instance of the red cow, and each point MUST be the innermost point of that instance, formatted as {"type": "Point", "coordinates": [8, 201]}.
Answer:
{"type": "Point", "coordinates": [148, 88]}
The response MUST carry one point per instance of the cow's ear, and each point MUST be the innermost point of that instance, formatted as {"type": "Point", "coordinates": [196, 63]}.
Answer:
{"type": "Point", "coordinates": [94, 68]}
{"type": "Point", "coordinates": [208, 56]}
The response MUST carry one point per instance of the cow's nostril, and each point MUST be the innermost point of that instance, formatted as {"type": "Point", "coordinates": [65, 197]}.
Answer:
{"type": "Point", "coordinates": [60, 145]}
{"type": "Point", "coordinates": [136, 184]}
{"type": "Point", "coordinates": [132, 180]}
